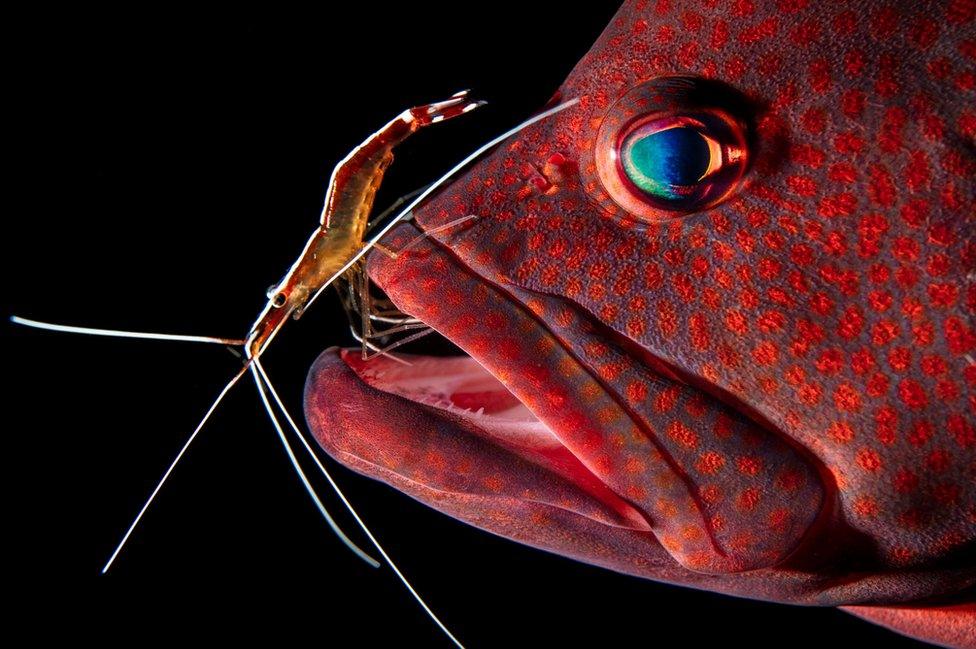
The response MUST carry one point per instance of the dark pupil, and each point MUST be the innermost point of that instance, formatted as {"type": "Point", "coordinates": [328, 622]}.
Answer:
{"type": "Point", "coordinates": [658, 162]}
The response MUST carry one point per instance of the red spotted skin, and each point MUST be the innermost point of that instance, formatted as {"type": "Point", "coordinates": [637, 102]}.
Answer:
{"type": "Point", "coordinates": [781, 386]}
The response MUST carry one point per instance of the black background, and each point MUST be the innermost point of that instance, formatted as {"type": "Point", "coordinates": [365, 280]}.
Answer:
{"type": "Point", "coordinates": [170, 166]}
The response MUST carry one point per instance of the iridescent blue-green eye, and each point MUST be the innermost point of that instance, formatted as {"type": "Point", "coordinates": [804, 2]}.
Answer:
{"type": "Point", "coordinates": [670, 147]}
{"type": "Point", "coordinates": [665, 163]}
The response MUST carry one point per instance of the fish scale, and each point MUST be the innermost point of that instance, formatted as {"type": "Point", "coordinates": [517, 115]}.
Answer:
{"type": "Point", "coordinates": [938, 312]}
{"type": "Point", "coordinates": [826, 305]}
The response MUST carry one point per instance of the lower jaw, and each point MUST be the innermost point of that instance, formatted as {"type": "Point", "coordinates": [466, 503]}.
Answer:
{"type": "Point", "coordinates": [446, 457]}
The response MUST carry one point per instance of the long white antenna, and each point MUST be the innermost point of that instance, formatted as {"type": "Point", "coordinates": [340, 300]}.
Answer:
{"type": "Point", "coordinates": [176, 460]}
{"type": "Point", "coordinates": [301, 474]}
{"type": "Point", "coordinates": [257, 367]}
{"type": "Point", "coordinates": [433, 187]}
{"type": "Point", "coordinates": [117, 333]}
{"type": "Point", "coordinates": [262, 381]}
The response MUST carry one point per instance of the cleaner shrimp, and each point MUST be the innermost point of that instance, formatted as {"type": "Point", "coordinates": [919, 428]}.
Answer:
{"type": "Point", "coordinates": [332, 256]}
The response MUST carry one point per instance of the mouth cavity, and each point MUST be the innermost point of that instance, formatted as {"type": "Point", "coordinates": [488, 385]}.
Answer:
{"type": "Point", "coordinates": [457, 384]}
{"type": "Point", "coordinates": [461, 389]}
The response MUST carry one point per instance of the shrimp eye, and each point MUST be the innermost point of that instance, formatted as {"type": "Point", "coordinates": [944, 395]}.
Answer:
{"type": "Point", "coordinates": [667, 148]}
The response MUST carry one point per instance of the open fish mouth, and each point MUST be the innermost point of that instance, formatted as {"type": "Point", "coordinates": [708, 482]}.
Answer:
{"type": "Point", "coordinates": [554, 432]}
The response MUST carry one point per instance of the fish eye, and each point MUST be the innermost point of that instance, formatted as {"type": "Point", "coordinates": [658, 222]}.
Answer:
{"type": "Point", "coordinates": [279, 300]}
{"type": "Point", "coordinates": [667, 149]}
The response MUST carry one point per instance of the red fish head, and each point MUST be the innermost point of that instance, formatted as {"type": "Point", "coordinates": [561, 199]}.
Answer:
{"type": "Point", "coordinates": [718, 315]}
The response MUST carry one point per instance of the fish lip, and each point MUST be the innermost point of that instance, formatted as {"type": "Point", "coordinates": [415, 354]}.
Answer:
{"type": "Point", "coordinates": [655, 364]}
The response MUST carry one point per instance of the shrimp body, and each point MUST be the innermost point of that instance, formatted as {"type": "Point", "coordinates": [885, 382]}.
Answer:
{"type": "Point", "coordinates": [348, 205]}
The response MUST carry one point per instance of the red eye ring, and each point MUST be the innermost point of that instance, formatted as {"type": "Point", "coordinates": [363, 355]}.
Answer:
{"type": "Point", "coordinates": [691, 154]}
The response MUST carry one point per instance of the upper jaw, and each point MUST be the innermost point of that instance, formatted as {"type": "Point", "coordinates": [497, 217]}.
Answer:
{"type": "Point", "coordinates": [719, 493]}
